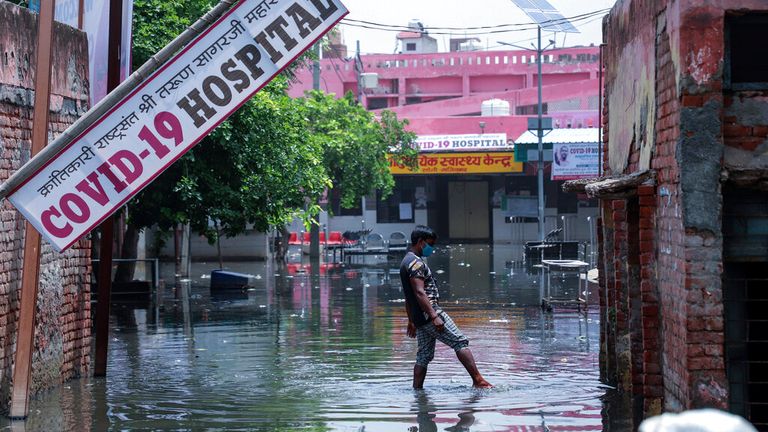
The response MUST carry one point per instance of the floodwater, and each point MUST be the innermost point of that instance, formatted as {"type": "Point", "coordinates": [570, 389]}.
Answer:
{"type": "Point", "coordinates": [324, 348]}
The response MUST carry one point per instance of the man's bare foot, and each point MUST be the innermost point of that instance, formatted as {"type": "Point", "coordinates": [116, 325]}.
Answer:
{"type": "Point", "coordinates": [482, 383]}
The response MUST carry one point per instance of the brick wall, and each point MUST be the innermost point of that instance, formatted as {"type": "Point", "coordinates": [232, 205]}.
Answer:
{"type": "Point", "coordinates": [699, 128]}
{"type": "Point", "coordinates": [63, 321]}
{"type": "Point", "coordinates": [651, 375]}
{"type": "Point", "coordinates": [665, 288]}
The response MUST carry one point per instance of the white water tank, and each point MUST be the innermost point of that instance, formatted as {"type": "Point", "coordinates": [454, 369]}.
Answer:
{"type": "Point", "coordinates": [494, 107]}
{"type": "Point", "coordinates": [369, 80]}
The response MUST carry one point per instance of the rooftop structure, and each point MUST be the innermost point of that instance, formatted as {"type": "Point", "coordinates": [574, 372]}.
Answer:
{"type": "Point", "coordinates": [467, 108]}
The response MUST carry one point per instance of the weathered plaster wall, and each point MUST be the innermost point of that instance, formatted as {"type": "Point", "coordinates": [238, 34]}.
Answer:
{"type": "Point", "coordinates": [630, 82]}
{"type": "Point", "coordinates": [63, 321]}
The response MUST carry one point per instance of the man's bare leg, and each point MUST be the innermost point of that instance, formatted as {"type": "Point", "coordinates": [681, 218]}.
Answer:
{"type": "Point", "coordinates": [468, 360]}
{"type": "Point", "coordinates": [419, 374]}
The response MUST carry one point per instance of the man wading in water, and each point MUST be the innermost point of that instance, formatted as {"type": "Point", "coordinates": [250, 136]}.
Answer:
{"type": "Point", "coordinates": [426, 320]}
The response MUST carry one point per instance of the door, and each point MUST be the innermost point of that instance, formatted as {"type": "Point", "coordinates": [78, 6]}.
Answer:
{"type": "Point", "coordinates": [468, 210]}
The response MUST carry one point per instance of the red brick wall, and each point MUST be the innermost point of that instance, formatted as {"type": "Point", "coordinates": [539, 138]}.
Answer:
{"type": "Point", "coordinates": [63, 322]}
{"type": "Point", "coordinates": [666, 260]}
{"type": "Point", "coordinates": [699, 128]}
{"type": "Point", "coordinates": [651, 374]}
{"type": "Point", "coordinates": [670, 309]}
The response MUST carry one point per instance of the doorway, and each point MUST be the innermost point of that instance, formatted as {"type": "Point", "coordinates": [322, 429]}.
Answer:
{"type": "Point", "coordinates": [745, 277]}
{"type": "Point", "coordinates": [468, 204]}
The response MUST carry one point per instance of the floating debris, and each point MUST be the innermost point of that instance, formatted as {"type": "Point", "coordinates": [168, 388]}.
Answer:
{"type": "Point", "coordinates": [205, 276]}
{"type": "Point", "coordinates": [257, 277]}
{"type": "Point", "coordinates": [503, 320]}
{"type": "Point", "coordinates": [349, 289]}
{"type": "Point", "coordinates": [440, 271]}
{"type": "Point", "coordinates": [262, 306]}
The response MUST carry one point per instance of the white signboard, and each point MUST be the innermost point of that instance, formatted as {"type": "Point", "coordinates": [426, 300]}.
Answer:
{"type": "Point", "coordinates": [575, 161]}
{"type": "Point", "coordinates": [168, 114]}
{"type": "Point", "coordinates": [479, 142]}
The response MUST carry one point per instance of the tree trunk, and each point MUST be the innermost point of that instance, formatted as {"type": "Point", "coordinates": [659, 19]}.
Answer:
{"type": "Point", "coordinates": [129, 250]}
{"type": "Point", "coordinates": [218, 246]}
{"type": "Point", "coordinates": [177, 233]}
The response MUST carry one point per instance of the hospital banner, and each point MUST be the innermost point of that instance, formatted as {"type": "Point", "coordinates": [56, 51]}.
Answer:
{"type": "Point", "coordinates": [461, 163]}
{"type": "Point", "coordinates": [168, 113]}
{"type": "Point", "coordinates": [472, 142]}
{"type": "Point", "coordinates": [575, 161]}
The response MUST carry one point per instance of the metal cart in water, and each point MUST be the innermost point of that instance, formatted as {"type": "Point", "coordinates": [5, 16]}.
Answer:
{"type": "Point", "coordinates": [563, 269]}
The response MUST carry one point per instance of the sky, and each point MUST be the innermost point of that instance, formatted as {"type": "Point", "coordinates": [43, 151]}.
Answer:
{"type": "Point", "coordinates": [463, 14]}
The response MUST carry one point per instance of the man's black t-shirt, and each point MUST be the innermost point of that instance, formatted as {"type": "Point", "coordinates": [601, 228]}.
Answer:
{"type": "Point", "coordinates": [414, 266]}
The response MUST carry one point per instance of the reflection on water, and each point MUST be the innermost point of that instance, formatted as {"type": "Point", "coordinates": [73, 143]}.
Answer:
{"type": "Point", "coordinates": [310, 348]}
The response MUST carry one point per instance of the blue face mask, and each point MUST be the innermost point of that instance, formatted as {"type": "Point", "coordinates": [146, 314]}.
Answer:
{"type": "Point", "coordinates": [427, 250]}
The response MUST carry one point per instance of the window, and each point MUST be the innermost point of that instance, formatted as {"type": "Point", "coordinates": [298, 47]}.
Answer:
{"type": "Point", "coordinates": [377, 103]}
{"type": "Point", "coordinates": [531, 110]}
{"type": "Point", "coordinates": [746, 64]}
{"type": "Point", "coordinates": [410, 46]}
{"type": "Point", "coordinates": [398, 207]}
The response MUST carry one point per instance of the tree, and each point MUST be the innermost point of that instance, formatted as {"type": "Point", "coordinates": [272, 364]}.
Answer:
{"type": "Point", "coordinates": [256, 168]}
{"type": "Point", "coordinates": [263, 165]}
{"type": "Point", "coordinates": [250, 170]}
{"type": "Point", "coordinates": [355, 145]}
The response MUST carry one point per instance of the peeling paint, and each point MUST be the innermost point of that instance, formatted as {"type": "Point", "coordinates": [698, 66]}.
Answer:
{"type": "Point", "coordinates": [634, 122]}
{"type": "Point", "coordinates": [697, 65]}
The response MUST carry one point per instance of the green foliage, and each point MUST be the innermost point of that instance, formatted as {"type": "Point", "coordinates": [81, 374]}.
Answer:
{"type": "Point", "coordinates": [256, 168]}
{"type": "Point", "coordinates": [355, 145]}
{"type": "Point", "coordinates": [156, 23]}
{"type": "Point", "coordinates": [272, 159]}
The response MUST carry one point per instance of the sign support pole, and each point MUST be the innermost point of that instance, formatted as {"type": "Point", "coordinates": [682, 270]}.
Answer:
{"type": "Point", "coordinates": [107, 227]}
{"type": "Point", "coordinates": [30, 271]}
{"type": "Point", "coordinates": [540, 135]}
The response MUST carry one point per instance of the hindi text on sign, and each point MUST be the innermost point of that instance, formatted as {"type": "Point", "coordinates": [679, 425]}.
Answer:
{"type": "Point", "coordinates": [179, 104]}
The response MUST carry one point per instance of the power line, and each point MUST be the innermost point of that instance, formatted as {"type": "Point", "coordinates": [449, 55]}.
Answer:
{"type": "Point", "coordinates": [581, 23]}
{"type": "Point", "coordinates": [500, 28]}
{"type": "Point", "coordinates": [557, 20]}
{"type": "Point", "coordinates": [531, 39]}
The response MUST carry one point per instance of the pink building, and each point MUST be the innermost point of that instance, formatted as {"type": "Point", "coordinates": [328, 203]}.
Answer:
{"type": "Point", "coordinates": [447, 95]}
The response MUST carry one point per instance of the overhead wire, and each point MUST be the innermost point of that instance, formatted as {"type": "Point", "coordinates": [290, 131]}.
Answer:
{"type": "Point", "coordinates": [531, 39]}
{"type": "Point", "coordinates": [472, 31]}
{"type": "Point", "coordinates": [581, 22]}
{"type": "Point", "coordinates": [574, 17]}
